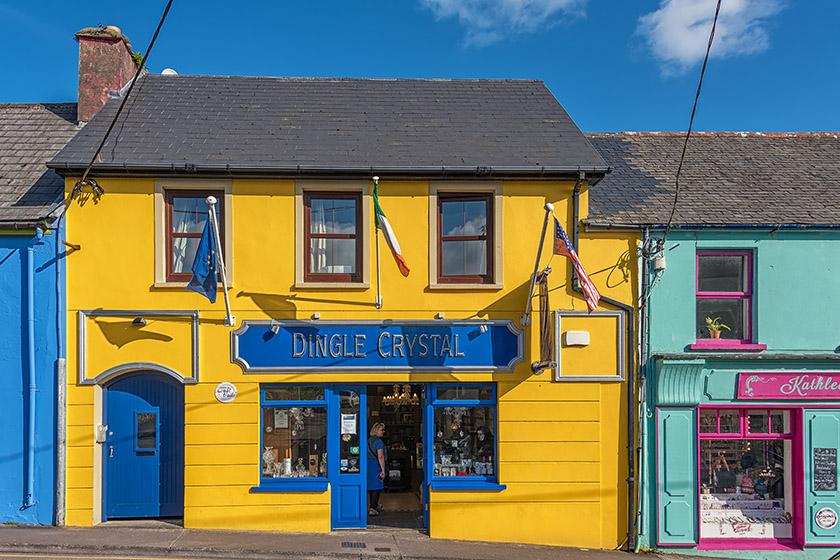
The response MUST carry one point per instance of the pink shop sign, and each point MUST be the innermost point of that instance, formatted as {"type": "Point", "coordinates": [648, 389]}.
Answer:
{"type": "Point", "coordinates": [789, 385]}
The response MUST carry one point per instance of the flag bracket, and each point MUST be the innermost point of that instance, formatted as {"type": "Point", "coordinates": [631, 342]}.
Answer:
{"type": "Point", "coordinates": [525, 320]}
{"type": "Point", "coordinates": [230, 319]}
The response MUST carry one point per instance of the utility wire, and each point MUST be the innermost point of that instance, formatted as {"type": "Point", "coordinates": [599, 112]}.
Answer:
{"type": "Point", "coordinates": [690, 123]}
{"type": "Point", "coordinates": [83, 181]}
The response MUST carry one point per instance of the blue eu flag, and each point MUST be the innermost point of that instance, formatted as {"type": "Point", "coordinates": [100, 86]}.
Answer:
{"type": "Point", "coordinates": [203, 279]}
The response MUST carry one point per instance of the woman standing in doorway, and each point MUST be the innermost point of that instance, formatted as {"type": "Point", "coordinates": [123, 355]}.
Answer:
{"type": "Point", "coordinates": [377, 455]}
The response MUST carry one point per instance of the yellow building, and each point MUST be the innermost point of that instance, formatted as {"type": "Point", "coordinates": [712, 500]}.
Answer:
{"type": "Point", "coordinates": [262, 422]}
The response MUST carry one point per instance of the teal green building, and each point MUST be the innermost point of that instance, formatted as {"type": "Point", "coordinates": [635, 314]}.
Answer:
{"type": "Point", "coordinates": [739, 378]}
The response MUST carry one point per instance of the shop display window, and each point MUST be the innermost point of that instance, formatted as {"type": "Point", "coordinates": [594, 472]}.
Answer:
{"type": "Point", "coordinates": [294, 432]}
{"type": "Point", "coordinates": [464, 431]}
{"type": "Point", "coordinates": [745, 474]}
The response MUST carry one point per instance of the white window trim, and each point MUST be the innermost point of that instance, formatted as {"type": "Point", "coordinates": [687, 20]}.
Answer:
{"type": "Point", "coordinates": [493, 187]}
{"type": "Point", "coordinates": [161, 185]}
{"type": "Point", "coordinates": [362, 187]}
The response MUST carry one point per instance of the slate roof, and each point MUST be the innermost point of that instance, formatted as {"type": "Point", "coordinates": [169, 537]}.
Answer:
{"type": "Point", "coordinates": [213, 124]}
{"type": "Point", "coordinates": [728, 178]}
{"type": "Point", "coordinates": [31, 134]}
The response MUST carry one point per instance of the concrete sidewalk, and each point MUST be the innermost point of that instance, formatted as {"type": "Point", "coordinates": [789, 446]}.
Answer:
{"type": "Point", "coordinates": [173, 541]}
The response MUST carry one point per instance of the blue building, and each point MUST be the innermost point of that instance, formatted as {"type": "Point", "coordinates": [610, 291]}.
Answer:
{"type": "Point", "coordinates": [31, 268]}
{"type": "Point", "coordinates": [740, 364]}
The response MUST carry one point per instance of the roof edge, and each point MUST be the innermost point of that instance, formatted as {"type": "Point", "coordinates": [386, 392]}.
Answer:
{"type": "Point", "coordinates": [67, 169]}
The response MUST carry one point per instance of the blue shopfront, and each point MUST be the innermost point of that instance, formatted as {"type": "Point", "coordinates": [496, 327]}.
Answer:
{"type": "Point", "coordinates": [439, 429]}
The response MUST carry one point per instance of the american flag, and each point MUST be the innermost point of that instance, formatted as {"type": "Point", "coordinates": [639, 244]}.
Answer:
{"type": "Point", "coordinates": [562, 246]}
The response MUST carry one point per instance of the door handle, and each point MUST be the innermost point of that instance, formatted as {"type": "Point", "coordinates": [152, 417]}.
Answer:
{"type": "Point", "coordinates": [110, 451]}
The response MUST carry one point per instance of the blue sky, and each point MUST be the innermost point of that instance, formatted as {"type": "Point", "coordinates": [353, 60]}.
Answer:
{"type": "Point", "coordinates": [613, 64]}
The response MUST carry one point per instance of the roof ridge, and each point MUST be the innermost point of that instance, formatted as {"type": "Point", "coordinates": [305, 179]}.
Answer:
{"type": "Point", "coordinates": [349, 79]}
{"type": "Point", "coordinates": [715, 134]}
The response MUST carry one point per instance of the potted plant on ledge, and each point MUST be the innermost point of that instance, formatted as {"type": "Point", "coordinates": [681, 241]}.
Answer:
{"type": "Point", "coordinates": [714, 326]}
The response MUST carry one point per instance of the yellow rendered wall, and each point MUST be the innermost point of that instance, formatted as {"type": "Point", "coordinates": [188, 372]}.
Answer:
{"type": "Point", "coordinates": [562, 446]}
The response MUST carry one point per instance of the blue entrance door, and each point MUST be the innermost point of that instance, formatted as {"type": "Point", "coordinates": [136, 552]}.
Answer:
{"type": "Point", "coordinates": [144, 447]}
{"type": "Point", "coordinates": [347, 465]}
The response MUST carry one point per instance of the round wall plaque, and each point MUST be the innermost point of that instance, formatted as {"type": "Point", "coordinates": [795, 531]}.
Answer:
{"type": "Point", "coordinates": [826, 518]}
{"type": "Point", "coordinates": [225, 392]}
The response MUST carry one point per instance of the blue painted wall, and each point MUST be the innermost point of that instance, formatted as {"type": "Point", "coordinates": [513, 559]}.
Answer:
{"type": "Point", "coordinates": [14, 370]}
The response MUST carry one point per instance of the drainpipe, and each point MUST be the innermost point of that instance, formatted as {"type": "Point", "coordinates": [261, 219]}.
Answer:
{"type": "Point", "coordinates": [33, 387]}
{"type": "Point", "coordinates": [644, 285]}
{"type": "Point", "coordinates": [61, 382]}
{"type": "Point", "coordinates": [631, 343]}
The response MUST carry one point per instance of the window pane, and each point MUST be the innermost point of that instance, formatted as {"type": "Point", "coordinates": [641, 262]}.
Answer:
{"type": "Point", "coordinates": [463, 217]}
{"type": "Point", "coordinates": [722, 273]}
{"type": "Point", "coordinates": [183, 253]}
{"type": "Point", "coordinates": [464, 441]}
{"type": "Point", "coordinates": [466, 393]}
{"type": "Point", "coordinates": [146, 430]}
{"type": "Point", "coordinates": [333, 216]}
{"type": "Point", "coordinates": [708, 421]}
{"type": "Point", "coordinates": [294, 441]}
{"type": "Point", "coordinates": [332, 256]}
{"type": "Point", "coordinates": [731, 312]}
{"type": "Point", "coordinates": [464, 258]}
{"type": "Point", "coordinates": [745, 489]}
{"type": "Point", "coordinates": [730, 422]}
{"type": "Point", "coordinates": [780, 421]}
{"type": "Point", "coordinates": [189, 214]}
{"type": "Point", "coordinates": [351, 441]}
{"type": "Point", "coordinates": [294, 393]}
{"type": "Point", "coordinates": [757, 422]}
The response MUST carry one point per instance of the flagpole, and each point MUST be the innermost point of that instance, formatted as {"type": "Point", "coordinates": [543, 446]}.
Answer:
{"type": "Point", "coordinates": [375, 220]}
{"type": "Point", "coordinates": [230, 320]}
{"type": "Point", "coordinates": [525, 319]}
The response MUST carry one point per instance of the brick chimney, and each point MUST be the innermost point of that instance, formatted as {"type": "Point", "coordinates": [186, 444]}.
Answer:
{"type": "Point", "coordinates": [105, 64]}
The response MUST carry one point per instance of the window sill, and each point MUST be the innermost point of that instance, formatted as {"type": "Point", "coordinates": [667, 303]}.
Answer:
{"type": "Point", "coordinates": [314, 485]}
{"type": "Point", "coordinates": [342, 285]}
{"type": "Point", "coordinates": [182, 285]}
{"type": "Point", "coordinates": [466, 484]}
{"type": "Point", "coordinates": [717, 344]}
{"type": "Point", "coordinates": [489, 287]}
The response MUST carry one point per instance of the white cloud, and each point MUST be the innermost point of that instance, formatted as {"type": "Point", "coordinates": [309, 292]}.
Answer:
{"type": "Point", "coordinates": [489, 21]}
{"type": "Point", "coordinates": [678, 32]}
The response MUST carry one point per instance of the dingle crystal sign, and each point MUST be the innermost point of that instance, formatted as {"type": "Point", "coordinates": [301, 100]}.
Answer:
{"type": "Point", "coordinates": [298, 346]}
{"type": "Point", "coordinates": [789, 385]}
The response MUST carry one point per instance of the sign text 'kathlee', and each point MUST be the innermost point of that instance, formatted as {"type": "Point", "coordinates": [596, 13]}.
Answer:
{"type": "Point", "coordinates": [277, 346]}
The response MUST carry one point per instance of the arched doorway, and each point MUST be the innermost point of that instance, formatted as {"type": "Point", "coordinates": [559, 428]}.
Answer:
{"type": "Point", "coordinates": [144, 448]}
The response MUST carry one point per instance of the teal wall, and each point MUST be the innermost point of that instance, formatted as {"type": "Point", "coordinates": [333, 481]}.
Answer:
{"type": "Point", "coordinates": [796, 304]}
{"type": "Point", "coordinates": [796, 311]}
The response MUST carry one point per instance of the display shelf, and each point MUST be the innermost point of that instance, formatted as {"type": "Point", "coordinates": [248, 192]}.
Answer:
{"type": "Point", "coordinates": [743, 516]}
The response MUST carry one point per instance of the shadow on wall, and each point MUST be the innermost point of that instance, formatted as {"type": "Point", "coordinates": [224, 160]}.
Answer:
{"type": "Point", "coordinates": [122, 332]}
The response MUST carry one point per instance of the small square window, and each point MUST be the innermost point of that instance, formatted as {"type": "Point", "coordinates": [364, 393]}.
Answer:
{"type": "Point", "coordinates": [730, 422]}
{"type": "Point", "coordinates": [724, 296]}
{"type": "Point", "coordinates": [758, 422]}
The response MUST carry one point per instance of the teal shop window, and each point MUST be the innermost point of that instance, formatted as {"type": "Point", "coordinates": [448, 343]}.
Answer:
{"type": "Point", "coordinates": [465, 428]}
{"type": "Point", "coordinates": [746, 475]}
{"type": "Point", "coordinates": [294, 433]}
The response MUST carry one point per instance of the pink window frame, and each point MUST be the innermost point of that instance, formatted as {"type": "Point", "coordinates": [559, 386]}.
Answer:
{"type": "Point", "coordinates": [741, 344]}
{"type": "Point", "coordinates": [793, 543]}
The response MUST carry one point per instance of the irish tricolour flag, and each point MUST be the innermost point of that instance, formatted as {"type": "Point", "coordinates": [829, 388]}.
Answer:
{"type": "Point", "coordinates": [390, 238]}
